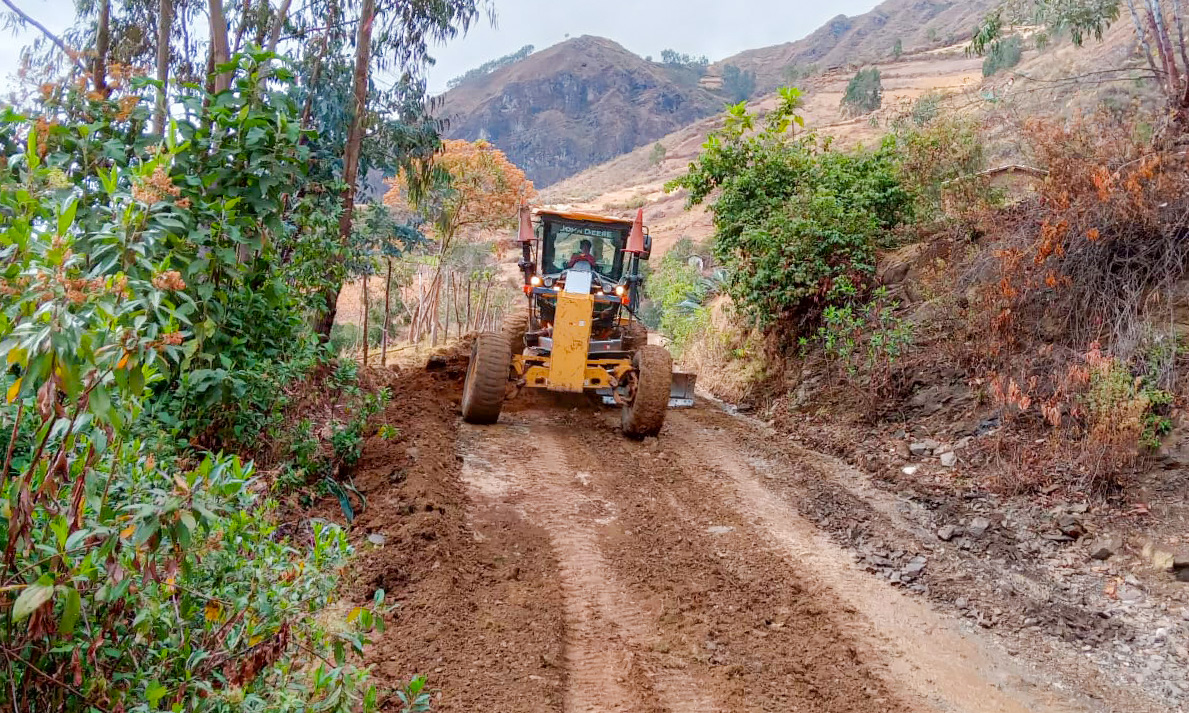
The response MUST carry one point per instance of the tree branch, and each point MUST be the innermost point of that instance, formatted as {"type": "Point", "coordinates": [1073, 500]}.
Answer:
{"type": "Point", "coordinates": [278, 24]}
{"type": "Point", "coordinates": [49, 35]}
{"type": "Point", "coordinates": [1142, 34]}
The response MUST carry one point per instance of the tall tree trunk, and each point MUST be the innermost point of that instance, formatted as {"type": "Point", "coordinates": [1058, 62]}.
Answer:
{"type": "Point", "coordinates": [102, 46]}
{"type": "Point", "coordinates": [1170, 61]}
{"type": "Point", "coordinates": [220, 49]}
{"type": "Point", "coordinates": [387, 313]}
{"type": "Point", "coordinates": [366, 317]}
{"type": "Point", "coordinates": [1142, 34]}
{"type": "Point", "coordinates": [164, 27]}
{"type": "Point", "coordinates": [363, 47]}
{"type": "Point", "coordinates": [245, 16]}
{"type": "Point", "coordinates": [449, 292]}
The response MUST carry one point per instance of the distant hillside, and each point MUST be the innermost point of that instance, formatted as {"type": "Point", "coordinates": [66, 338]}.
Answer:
{"type": "Point", "coordinates": [575, 105]}
{"type": "Point", "coordinates": [586, 101]}
{"type": "Point", "coordinates": [853, 41]}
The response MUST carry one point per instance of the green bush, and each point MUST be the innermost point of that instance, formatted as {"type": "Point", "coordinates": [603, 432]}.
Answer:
{"type": "Point", "coordinates": [939, 163]}
{"type": "Point", "coordinates": [152, 299]}
{"type": "Point", "coordinates": [739, 84]}
{"type": "Point", "coordinates": [791, 214]}
{"type": "Point", "coordinates": [657, 156]}
{"type": "Point", "coordinates": [140, 578]}
{"type": "Point", "coordinates": [864, 92]}
{"type": "Point", "coordinates": [679, 291]}
{"type": "Point", "coordinates": [1003, 54]}
{"type": "Point", "coordinates": [345, 337]}
{"type": "Point", "coordinates": [862, 337]}
{"type": "Point", "coordinates": [925, 109]}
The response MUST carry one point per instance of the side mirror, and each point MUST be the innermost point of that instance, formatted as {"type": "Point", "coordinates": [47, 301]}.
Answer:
{"type": "Point", "coordinates": [647, 247]}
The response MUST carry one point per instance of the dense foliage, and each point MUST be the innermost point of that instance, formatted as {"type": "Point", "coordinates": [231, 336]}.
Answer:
{"type": "Point", "coordinates": [1003, 55]}
{"type": "Point", "coordinates": [673, 58]}
{"type": "Point", "coordinates": [161, 275]}
{"type": "Point", "coordinates": [678, 291]}
{"type": "Point", "coordinates": [137, 575]}
{"type": "Point", "coordinates": [864, 92]}
{"type": "Point", "coordinates": [739, 84]}
{"type": "Point", "coordinates": [657, 156]}
{"type": "Point", "coordinates": [792, 215]}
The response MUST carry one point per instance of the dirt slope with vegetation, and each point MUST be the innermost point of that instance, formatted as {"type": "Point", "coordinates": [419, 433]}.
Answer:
{"type": "Point", "coordinates": [851, 42]}
{"type": "Point", "coordinates": [638, 179]}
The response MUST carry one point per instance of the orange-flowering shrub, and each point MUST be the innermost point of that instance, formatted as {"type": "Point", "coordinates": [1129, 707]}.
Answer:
{"type": "Point", "coordinates": [482, 189]}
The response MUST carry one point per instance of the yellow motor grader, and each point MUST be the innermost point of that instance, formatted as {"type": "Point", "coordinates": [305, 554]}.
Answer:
{"type": "Point", "coordinates": [579, 332]}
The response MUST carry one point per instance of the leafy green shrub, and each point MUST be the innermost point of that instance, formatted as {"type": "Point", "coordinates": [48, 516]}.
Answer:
{"type": "Point", "coordinates": [791, 214]}
{"type": "Point", "coordinates": [940, 163]}
{"type": "Point", "coordinates": [739, 84]}
{"type": "Point", "coordinates": [864, 92]}
{"type": "Point", "coordinates": [679, 290]}
{"type": "Point", "coordinates": [925, 109]}
{"type": "Point", "coordinates": [898, 48]}
{"type": "Point", "coordinates": [134, 579]}
{"type": "Point", "coordinates": [1003, 54]}
{"type": "Point", "coordinates": [345, 337]}
{"type": "Point", "coordinates": [862, 337]}
{"type": "Point", "coordinates": [346, 373]}
{"type": "Point", "coordinates": [657, 156]}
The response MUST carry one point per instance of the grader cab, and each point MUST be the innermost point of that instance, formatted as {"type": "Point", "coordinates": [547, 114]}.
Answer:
{"type": "Point", "coordinates": [579, 331]}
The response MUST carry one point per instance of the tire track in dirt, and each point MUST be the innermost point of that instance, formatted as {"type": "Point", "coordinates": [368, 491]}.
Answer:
{"type": "Point", "coordinates": [608, 634]}
{"type": "Point", "coordinates": [925, 653]}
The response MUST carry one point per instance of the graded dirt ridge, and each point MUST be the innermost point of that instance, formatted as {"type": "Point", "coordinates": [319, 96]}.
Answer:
{"type": "Point", "coordinates": [547, 563]}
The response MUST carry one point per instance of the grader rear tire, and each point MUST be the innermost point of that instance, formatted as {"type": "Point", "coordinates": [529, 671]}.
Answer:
{"type": "Point", "coordinates": [487, 379]}
{"type": "Point", "coordinates": [654, 375]}
{"type": "Point", "coordinates": [514, 327]}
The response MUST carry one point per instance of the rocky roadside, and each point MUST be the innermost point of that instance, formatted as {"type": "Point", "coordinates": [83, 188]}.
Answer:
{"type": "Point", "coordinates": [1106, 581]}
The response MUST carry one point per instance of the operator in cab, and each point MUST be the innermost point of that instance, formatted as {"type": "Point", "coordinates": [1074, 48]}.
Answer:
{"type": "Point", "coordinates": [583, 256]}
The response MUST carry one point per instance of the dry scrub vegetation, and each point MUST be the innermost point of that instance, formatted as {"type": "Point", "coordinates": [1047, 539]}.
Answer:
{"type": "Point", "coordinates": [1058, 307]}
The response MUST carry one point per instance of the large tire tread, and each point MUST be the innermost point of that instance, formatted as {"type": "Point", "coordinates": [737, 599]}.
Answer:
{"type": "Point", "coordinates": [635, 336]}
{"type": "Point", "coordinates": [645, 416]}
{"type": "Point", "coordinates": [514, 327]}
{"type": "Point", "coordinates": [487, 379]}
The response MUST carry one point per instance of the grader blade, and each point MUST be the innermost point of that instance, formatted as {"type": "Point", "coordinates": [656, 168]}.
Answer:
{"type": "Point", "coordinates": [681, 392]}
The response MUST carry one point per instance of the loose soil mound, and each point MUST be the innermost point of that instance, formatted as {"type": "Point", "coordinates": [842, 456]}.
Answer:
{"type": "Point", "coordinates": [481, 616]}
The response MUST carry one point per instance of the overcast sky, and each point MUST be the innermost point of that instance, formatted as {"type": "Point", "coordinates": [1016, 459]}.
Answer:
{"type": "Point", "coordinates": [714, 28]}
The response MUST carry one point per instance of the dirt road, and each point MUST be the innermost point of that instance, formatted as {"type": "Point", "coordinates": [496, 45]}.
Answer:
{"type": "Point", "coordinates": [565, 568]}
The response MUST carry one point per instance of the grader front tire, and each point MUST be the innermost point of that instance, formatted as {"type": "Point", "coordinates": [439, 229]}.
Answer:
{"type": "Point", "coordinates": [513, 328]}
{"type": "Point", "coordinates": [645, 415]}
{"type": "Point", "coordinates": [487, 379]}
{"type": "Point", "coordinates": [635, 336]}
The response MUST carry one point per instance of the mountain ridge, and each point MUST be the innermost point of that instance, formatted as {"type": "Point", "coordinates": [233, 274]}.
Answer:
{"type": "Point", "coordinates": [575, 105]}
{"type": "Point", "coordinates": [588, 100]}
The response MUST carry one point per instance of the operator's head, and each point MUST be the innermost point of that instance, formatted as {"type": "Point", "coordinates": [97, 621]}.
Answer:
{"type": "Point", "coordinates": [585, 246]}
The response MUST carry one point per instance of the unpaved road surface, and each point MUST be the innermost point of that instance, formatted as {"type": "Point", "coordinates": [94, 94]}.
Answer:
{"type": "Point", "coordinates": [549, 564]}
